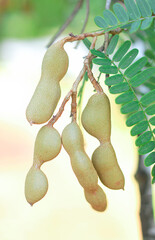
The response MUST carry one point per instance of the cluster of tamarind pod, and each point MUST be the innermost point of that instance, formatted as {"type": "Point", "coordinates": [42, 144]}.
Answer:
{"type": "Point", "coordinates": [96, 120]}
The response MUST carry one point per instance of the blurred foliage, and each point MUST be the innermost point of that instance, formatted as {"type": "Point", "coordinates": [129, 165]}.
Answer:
{"type": "Point", "coordinates": [33, 18]}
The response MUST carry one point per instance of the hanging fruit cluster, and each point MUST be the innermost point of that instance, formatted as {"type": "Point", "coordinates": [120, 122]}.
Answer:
{"type": "Point", "coordinates": [95, 119]}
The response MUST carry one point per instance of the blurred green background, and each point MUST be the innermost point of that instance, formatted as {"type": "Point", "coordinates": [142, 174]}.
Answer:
{"type": "Point", "coordinates": [33, 18]}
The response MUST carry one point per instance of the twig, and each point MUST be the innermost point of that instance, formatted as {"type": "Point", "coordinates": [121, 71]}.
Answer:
{"type": "Point", "coordinates": [61, 109]}
{"type": "Point", "coordinates": [68, 21]}
{"type": "Point", "coordinates": [89, 71]}
{"type": "Point", "coordinates": [67, 97]}
{"type": "Point", "coordinates": [73, 106]}
{"type": "Point", "coordinates": [72, 37]}
{"type": "Point", "coordinates": [86, 19]}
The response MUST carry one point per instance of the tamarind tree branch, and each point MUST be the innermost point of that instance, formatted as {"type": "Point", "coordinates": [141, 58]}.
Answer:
{"type": "Point", "coordinates": [72, 37]}
{"type": "Point", "coordinates": [68, 21]}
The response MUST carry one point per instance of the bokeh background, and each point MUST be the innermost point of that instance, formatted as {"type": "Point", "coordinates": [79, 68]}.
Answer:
{"type": "Point", "coordinates": [63, 214]}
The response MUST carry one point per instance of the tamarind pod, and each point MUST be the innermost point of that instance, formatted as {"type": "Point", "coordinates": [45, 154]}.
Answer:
{"type": "Point", "coordinates": [36, 185]}
{"type": "Point", "coordinates": [72, 140]}
{"type": "Point", "coordinates": [47, 144]}
{"type": "Point", "coordinates": [47, 93]}
{"type": "Point", "coordinates": [84, 170]}
{"type": "Point", "coordinates": [96, 117]}
{"type": "Point", "coordinates": [105, 162]}
{"type": "Point", "coordinates": [97, 199]}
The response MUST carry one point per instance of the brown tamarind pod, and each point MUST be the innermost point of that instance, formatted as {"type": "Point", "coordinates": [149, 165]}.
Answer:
{"type": "Point", "coordinates": [105, 162]}
{"type": "Point", "coordinates": [83, 168]}
{"type": "Point", "coordinates": [47, 144]}
{"type": "Point", "coordinates": [97, 199]}
{"type": "Point", "coordinates": [47, 93]}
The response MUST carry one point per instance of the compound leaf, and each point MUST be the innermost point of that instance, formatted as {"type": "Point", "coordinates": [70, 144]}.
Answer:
{"type": "Point", "coordinates": [135, 67]}
{"type": "Point", "coordinates": [122, 51]}
{"type": "Point", "coordinates": [110, 17]}
{"type": "Point", "coordinates": [150, 110]}
{"type": "Point", "coordinates": [146, 148]}
{"type": "Point", "coordinates": [143, 138]}
{"type": "Point", "coordinates": [128, 59]}
{"type": "Point", "coordinates": [112, 45]}
{"type": "Point", "coordinates": [130, 107]}
{"type": "Point", "coordinates": [135, 118]}
{"type": "Point", "coordinates": [115, 79]}
{"type": "Point", "coordinates": [125, 97]}
{"type": "Point", "coordinates": [139, 128]}
{"type": "Point", "coordinates": [120, 13]}
{"type": "Point", "coordinates": [144, 8]}
{"type": "Point", "coordinates": [119, 88]}
{"type": "Point", "coordinates": [150, 159]}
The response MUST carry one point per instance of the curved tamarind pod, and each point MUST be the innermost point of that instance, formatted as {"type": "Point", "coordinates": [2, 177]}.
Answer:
{"type": "Point", "coordinates": [47, 93]}
{"type": "Point", "coordinates": [97, 199]}
{"type": "Point", "coordinates": [36, 185]}
{"type": "Point", "coordinates": [47, 144]}
{"type": "Point", "coordinates": [105, 162]}
{"type": "Point", "coordinates": [96, 117]}
{"type": "Point", "coordinates": [73, 143]}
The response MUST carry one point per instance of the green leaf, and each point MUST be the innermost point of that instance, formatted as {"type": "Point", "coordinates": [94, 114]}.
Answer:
{"type": "Point", "coordinates": [146, 23]}
{"type": "Point", "coordinates": [141, 77]}
{"type": "Point", "coordinates": [132, 8]}
{"type": "Point", "coordinates": [97, 53]}
{"type": "Point", "coordinates": [143, 138]}
{"type": "Point", "coordinates": [153, 180]}
{"type": "Point", "coordinates": [153, 171]}
{"type": "Point", "coordinates": [108, 69]}
{"type": "Point", "coordinates": [144, 8]}
{"type": "Point", "coordinates": [119, 88]}
{"type": "Point", "coordinates": [100, 22]}
{"type": "Point", "coordinates": [154, 131]}
{"type": "Point", "coordinates": [139, 128]}
{"type": "Point", "coordinates": [128, 59]}
{"type": "Point", "coordinates": [135, 67]}
{"type": "Point", "coordinates": [102, 61]}
{"type": "Point", "coordinates": [148, 98]}
{"type": "Point", "coordinates": [152, 121]}
{"type": "Point", "coordinates": [135, 26]}
{"type": "Point", "coordinates": [86, 42]}
{"type": "Point", "coordinates": [150, 110]}
{"type": "Point", "coordinates": [110, 17]}
{"type": "Point", "coordinates": [125, 97]}
{"type": "Point", "coordinates": [151, 2]}
{"type": "Point", "coordinates": [146, 148]}
{"type": "Point", "coordinates": [120, 13]}
{"type": "Point", "coordinates": [150, 159]}
{"type": "Point", "coordinates": [112, 44]}
{"type": "Point", "coordinates": [115, 79]}
{"type": "Point", "coordinates": [130, 107]}
{"type": "Point", "coordinates": [122, 51]}
{"type": "Point", "coordinates": [135, 118]}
